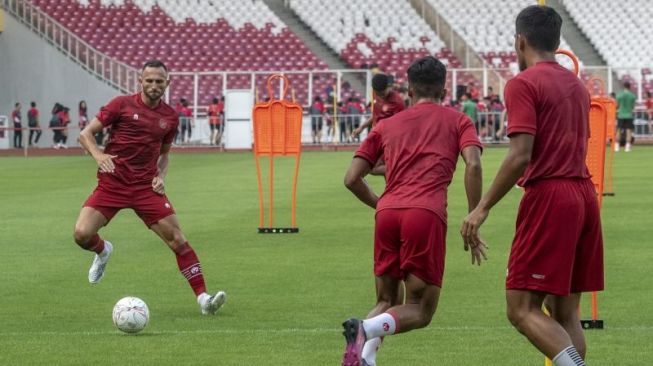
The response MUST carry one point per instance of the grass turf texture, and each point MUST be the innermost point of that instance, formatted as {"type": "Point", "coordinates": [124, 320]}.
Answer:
{"type": "Point", "coordinates": [287, 293]}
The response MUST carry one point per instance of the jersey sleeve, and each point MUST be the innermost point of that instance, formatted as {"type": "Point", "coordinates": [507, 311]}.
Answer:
{"type": "Point", "coordinates": [520, 105]}
{"type": "Point", "coordinates": [371, 149]}
{"type": "Point", "coordinates": [110, 113]}
{"type": "Point", "coordinates": [467, 135]}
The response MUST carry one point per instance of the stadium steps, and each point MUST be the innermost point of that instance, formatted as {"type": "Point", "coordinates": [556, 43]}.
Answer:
{"type": "Point", "coordinates": [457, 44]}
{"type": "Point", "coordinates": [577, 40]}
{"type": "Point", "coordinates": [314, 42]}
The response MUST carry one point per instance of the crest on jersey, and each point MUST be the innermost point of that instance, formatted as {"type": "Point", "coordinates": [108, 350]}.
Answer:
{"type": "Point", "coordinates": [163, 124]}
{"type": "Point", "coordinates": [136, 116]}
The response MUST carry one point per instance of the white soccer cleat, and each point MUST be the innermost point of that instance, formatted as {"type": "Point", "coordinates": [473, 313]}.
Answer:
{"type": "Point", "coordinates": [212, 304]}
{"type": "Point", "coordinates": [627, 149]}
{"type": "Point", "coordinates": [96, 272]}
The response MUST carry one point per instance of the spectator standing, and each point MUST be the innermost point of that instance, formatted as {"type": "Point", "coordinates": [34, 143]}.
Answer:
{"type": "Point", "coordinates": [33, 124]}
{"type": "Point", "coordinates": [469, 107]}
{"type": "Point", "coordinates": [317, 116]}
{"type": "Point", "coordinates": [625, 117]}
{"type": "Point", "coordinates": [18, 126]}
{"type": "Point", "coordinates": [649, 111]}
{"type": "Point", "coordinates": [83, 115]}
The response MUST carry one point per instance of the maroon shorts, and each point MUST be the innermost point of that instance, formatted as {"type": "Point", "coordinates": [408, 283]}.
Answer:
{"type": "Point", "coordinates": [148, 205]}
{"type": "Point", "coordinates": [410, 240]}
{"type": "Point", "coordinates": [558, 246]}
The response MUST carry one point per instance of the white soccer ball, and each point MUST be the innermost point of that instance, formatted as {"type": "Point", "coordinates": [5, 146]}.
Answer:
{"type": "Point", "coordinates": [131, 314]}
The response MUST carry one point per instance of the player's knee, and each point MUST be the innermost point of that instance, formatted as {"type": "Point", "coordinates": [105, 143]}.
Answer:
{"type": "Point", "coordinates": [82, 236]}
{"type": "Point", "coordinates": [517, 316]}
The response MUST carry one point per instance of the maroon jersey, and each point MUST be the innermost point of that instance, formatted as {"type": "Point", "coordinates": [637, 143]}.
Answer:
{"type": "Point", "coordinates": [421, 146]}
{"type": "Point", "coordinates": [552, 104]}
{"type": "Point", "coordinates": [384, 108]}
{"type": "Point", "coordinates": [137, 134]}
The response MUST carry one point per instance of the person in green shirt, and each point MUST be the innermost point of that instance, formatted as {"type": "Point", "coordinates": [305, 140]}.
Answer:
{"type": "Point", "coordinates": [625, 116]}
{"type": "Point", "coordinates": [469, 107]}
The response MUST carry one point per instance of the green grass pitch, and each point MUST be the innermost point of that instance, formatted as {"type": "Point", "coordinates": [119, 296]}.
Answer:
{"type": "Point", "coordinates": [287, 293]}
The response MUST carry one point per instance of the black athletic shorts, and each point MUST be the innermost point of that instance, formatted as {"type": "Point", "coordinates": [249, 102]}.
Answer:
{"type": "Point", "coordinates": [626, 123]}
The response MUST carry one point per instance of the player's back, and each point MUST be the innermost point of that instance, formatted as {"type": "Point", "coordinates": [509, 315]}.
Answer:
{"type": "Point", "coordinates": [421, 146]}
{"type": "Point", "coordinates": [551, 103]}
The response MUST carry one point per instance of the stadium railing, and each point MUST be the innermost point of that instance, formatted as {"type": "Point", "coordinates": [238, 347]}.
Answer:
{"type": "Point", "coordinates": [115, 73]}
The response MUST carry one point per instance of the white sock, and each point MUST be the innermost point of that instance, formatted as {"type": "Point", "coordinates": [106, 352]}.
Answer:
{"type": "Point", "coordinates": [202, 298]}
{"type": "Point", "coordinates": [370, 349]}
{"type": "Point", "coordinates": [105, 251]}
{"type": "Point", "coordinates": [568, 357]}
{"type": "Point", "coordinates": [379, 326]}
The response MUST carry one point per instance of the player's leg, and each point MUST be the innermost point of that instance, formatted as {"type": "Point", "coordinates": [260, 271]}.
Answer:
{"type": "Point", "coordinates": [89, 222]}
{"type": "Point", "coordinates": [564, 309]}
{"type": "Point", "coordinates": [551, 220]}
{"type": "Point", "coordinates": [525, 314]}
{"type": "Point", "coordinates": [387, 296]}
{"type": "Point", "coordinates": [169, 230]}
{"type": "Point", "coordinates": [630, 126]}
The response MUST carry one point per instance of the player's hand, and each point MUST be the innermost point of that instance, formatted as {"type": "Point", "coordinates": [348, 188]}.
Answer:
{"type": "Point", "coordinates": [471, 226]}
{"type": "Point", "coordinates": [105, 163]}
{"type": "Point", "coordinates": [158, 186]}
{"type": "Point", "coordinates": [357, 131]}
{"type": "Point", "coordinates": [479, 252]}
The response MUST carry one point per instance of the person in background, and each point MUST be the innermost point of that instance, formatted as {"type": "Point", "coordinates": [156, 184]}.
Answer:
{"type": "Point", "coordinates": [625, 117]}
{"type": "Point", "coordinates": [214, 120]}
{"type": "Point", "coordinates": [55, 125]}
{"type": "Point", "coordinates": [648, 103]}
{"type": "Point", "coordinates": [186, 120]}
{"type": "Point", "coordinates": [83, 115]}
{"type": "Point", "coordinates": [317, 112]}
{"type": "Point", "coordinates": [469, 107]}
{"type": "Point", "coordinates": [17, 119]}
{"type": "Point", "coordinates": [64, 115]}
{"type": "Point", "coordinates": [473, 91]}
{"type": "Point", "coordinates": [33, 124]}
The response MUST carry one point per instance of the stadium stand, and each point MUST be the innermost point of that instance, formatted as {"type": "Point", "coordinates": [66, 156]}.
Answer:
{"type": "Point", "coordinates": [621, 33]}
{"type": "Point", "coordinates": [489, 29]}
{"type": "Point", "coordinates": [191, 36]}
{"type": "Point", "coordinates": [388, 33]}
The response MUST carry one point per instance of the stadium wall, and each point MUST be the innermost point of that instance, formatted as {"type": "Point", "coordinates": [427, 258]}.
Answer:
{"type": "Point", "coordinates": [33, 70]}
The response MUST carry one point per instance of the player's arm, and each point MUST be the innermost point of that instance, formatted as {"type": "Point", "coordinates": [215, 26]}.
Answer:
{"type": "Point", "coordinates": [355, 182]}
{"type": "Point", "coordinates": [473, 176]}
{"type": "Point", "coordinates": [357, 131]}
{"type": "Point", "coordinates": [473, 188]}
{"type": "Point", "coordinates": [158, 184]}
{"type": "Point", "coordinates": [513, 167]}
{"type": "Point", "coordinates": [87, 140]}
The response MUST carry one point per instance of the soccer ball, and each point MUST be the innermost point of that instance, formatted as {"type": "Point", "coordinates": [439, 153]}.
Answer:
{"type": "Point", "coordinates": [130, 314]}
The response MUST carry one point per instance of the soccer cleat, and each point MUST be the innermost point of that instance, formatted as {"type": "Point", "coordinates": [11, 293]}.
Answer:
{"type": "Point", "coordinates": [96, 272]}
{"type": "Point", "coordinates": [627, 149]}
{"type": "Point", "coordinates": [213, 303]}
{"type": "Point", "coordinates": [355, 338]}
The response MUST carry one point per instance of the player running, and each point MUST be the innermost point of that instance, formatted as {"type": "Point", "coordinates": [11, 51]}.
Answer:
{"type": "Point", "coordinates": [421, 147]}
{"type": "Point", "coordinates": [557, 252]}
{"type": "Point", "coordinates": [131, 173]}
{"type": "Point", "coordinates": [387, 103]}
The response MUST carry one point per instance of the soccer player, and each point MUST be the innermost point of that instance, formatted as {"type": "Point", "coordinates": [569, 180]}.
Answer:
{"type": "Point", "coordinates": [557, 252]}
{"type": "Point", "coordinates": [387, 103]}
{"type": "Point", "coordinates": [421, 147]}
{"type": "Point", "coordinates": [131, 173]}
{"type": "Point", "coordinates": [625, 116]}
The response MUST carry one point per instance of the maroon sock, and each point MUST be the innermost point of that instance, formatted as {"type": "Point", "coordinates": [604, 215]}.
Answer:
{"type": "Point", "coordinates": [190, 267]}
{"type": "Point", "coordinates": [96, 244]}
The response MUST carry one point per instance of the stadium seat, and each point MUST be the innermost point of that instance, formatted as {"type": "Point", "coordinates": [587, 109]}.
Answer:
{"type": "Point", "coordinates": [188, 35]}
